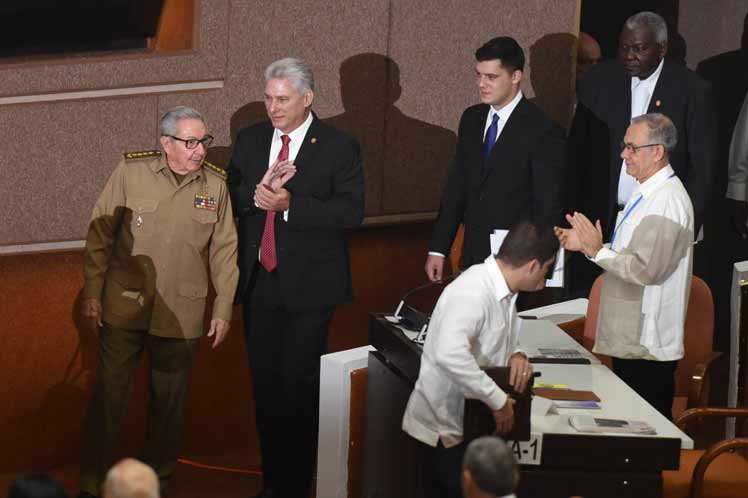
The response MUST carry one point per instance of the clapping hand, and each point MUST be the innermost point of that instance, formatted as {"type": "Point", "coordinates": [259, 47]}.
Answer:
{"type": "Point", "coordinates": [582, 236]}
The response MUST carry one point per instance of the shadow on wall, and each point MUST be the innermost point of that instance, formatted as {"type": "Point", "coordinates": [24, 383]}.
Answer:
{"type": "Point", "coordinates": [406, 160]}
{"type": "Point", "coordinates": [551, 75]}
{"type": "Point", "coordinates": [247, 115]}
{"type": "Point", "coordinates": [41, 437]}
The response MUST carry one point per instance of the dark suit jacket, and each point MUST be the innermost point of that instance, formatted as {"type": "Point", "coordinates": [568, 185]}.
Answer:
{"type": "Point", "coordinates": [523, 179]}
{"type": "Point", "coordinates": [327, 196]}
{"type": "Point", "coordinates": [681, 95]}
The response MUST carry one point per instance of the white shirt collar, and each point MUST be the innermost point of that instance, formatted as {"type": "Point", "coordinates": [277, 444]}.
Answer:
{"type": "Point", "coordinates": [654, 181]}
{"type": "Point", "coordinates": [651, 80]}
{"type": "Point", "coordinates": [505, 111]}
{"type": "Point", "coordinates": [296, 136]}
{"type": "Point", "coordinates": [499, 282]}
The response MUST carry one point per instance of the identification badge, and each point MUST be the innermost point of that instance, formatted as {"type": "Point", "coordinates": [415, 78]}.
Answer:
{"type": "Point", "coordinates": [203, 201]}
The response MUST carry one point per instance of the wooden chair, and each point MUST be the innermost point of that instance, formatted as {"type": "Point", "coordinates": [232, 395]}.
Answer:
{"type": "Point", "coordinates": [717, 472]}
{"type": "Point", "coordinates": [691, 386]}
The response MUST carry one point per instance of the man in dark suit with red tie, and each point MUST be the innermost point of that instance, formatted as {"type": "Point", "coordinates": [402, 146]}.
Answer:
{"type": "Point", "coordinates": [508, 166]}
{"type": "Point", "coordinates": [296, 184]}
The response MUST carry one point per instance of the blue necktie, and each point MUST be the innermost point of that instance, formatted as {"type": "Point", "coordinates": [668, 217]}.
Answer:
{"type": "Point", "coordinates": [490, 139]}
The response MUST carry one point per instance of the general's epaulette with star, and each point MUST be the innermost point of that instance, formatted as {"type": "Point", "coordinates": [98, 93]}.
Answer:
{"type": "Point", "coordinates": [216, 169]}
{"type": "Point", "coordinates": [146, 154]}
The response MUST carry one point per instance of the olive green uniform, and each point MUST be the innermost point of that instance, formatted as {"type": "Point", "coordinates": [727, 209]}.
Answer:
{"type": "Point", "coordinates": [150, 245]}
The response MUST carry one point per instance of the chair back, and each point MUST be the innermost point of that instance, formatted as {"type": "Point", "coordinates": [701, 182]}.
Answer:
{"type": "Point", "coordinates": [593, 307]}
{"type": "Point", "coordinates": [698, 334]}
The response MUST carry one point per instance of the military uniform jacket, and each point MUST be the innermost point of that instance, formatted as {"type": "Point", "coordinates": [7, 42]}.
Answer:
{"type": "Point", "coordinates": [151, 243]}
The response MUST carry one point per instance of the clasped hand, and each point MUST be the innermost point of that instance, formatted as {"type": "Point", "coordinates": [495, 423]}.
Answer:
{"type": "Point", "coordinates": [269, 193]}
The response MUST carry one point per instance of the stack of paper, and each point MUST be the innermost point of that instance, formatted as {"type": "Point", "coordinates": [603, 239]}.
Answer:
{"type": "Point", "coordinates": [587, 423]}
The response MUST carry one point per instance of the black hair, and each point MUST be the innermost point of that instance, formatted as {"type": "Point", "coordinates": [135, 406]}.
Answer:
{"type": "Point", "coordinates": [527, 241]}
{"type": "Point", "coordinates": [504, 48]}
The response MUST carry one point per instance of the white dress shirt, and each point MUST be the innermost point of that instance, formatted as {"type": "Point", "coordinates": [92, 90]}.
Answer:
{"type": "Point", "coordinates": [474, 325]}
{"type": "Point", "coordinates": [661, 264]}
{"type": "Point", "coordinates": [641, 95]}
{"type": "Point", "coordinates": [503, 114]}
{"type": "Point", "coordinates": [294, 144]}
{"type": "Point", "coordinates": [737, 172]}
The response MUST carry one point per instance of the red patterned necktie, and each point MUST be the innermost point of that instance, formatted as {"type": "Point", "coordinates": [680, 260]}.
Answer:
{"type": "Point", "coordinates": [268, 257]}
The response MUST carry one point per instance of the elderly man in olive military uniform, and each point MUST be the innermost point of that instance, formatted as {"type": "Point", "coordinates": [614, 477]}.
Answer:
{"type": "Point", "coordinates": [161, 222]}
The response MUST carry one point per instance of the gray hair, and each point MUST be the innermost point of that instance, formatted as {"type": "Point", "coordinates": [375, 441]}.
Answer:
{"type": "Point", "coordinates": [661, 130]}
{"type": "Point", "coordinates": [294, 70]}
{"type": "Point", "coordinates": [492, 465]}
{"type": "Point", "coordinates": [649, 20]}
{"type": "Point", "coordinates": [168, 123]}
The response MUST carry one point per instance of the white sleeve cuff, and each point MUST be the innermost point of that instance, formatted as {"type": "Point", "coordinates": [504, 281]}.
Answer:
{"type": "Point", "coordinates": [434, 253]}
{"type": "Point", "coordinates": [604, 253]}
{"type": "Point", "coordinates": [497, 399]}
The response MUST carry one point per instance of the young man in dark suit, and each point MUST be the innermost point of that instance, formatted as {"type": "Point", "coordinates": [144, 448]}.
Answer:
{"type": "Point", "coordinates": [509, 162]}
{"type": "Point", "coordinates": [296, 184]}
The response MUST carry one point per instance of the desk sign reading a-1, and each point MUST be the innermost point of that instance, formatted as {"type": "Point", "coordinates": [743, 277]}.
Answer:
{"type": "Point", "coordinates": [528, 452]}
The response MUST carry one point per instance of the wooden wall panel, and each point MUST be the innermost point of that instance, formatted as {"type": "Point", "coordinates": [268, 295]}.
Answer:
{"type": "Point", "coordinates": [48, 359]}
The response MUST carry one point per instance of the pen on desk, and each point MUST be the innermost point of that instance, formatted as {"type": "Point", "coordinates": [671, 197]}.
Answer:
{"type": "Point", "coordinates": [528, 317]}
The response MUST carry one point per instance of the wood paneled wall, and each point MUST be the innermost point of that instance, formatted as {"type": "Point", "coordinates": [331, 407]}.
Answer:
{"type": "Point", "coordinates": [48, 359]}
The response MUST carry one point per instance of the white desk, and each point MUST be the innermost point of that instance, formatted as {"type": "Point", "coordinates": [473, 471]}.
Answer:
{"type": "Point", "coordinates": [617, 400]}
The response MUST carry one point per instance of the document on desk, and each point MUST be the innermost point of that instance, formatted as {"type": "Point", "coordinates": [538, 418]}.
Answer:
{"type": "Point", "coordinates": [587, 423]}
{"type": "Point", "coordinates": [557, 277]}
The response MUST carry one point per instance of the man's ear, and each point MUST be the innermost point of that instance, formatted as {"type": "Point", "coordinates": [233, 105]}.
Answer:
{"type": "Point", "coordinates": [532, 266]}
{"type": "Point", "coordinates": [516, 76]}
{"type": "Point", "coordinates": [308, 98]}
{"type": "Point", "coordinates": [663, 49]}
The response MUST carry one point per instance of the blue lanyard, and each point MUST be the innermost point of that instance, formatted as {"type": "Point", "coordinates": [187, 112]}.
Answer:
{"type": "Point", "coordinates": [628, 212]}
{"type": "Point", "coordinates": [625, 215]}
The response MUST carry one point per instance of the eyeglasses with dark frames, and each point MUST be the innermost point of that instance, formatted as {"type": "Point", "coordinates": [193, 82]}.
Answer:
{"type": "Point", "coordinates": [191, 143]}
{"type": "Point", "coordinates": [635, 148]}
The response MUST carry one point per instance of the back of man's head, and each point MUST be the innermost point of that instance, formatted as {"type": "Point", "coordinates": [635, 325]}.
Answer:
{"type": "Point", "coordinates": [130, 478]}
{"type": "Point", "coordinates": [489, 468]}
{"type": "Point", "coordinates": [527, 241]}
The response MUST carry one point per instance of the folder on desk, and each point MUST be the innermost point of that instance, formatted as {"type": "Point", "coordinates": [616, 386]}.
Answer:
{"type": "Point", "coordinates": [566, 394]}
{"type": "Point", "coordinates": [478, 419]}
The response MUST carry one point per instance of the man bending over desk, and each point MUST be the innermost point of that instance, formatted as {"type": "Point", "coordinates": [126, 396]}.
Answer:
{"type": "Point", "coordinates": [474, 325]}
{"type": "Point", "coordinates": [647, 265]}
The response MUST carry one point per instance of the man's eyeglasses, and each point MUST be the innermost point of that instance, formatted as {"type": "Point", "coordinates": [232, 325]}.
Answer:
{"type": "Point", "coordinates": [635, 148]}
{"type": "Point", "coordinates": [191, 143]}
